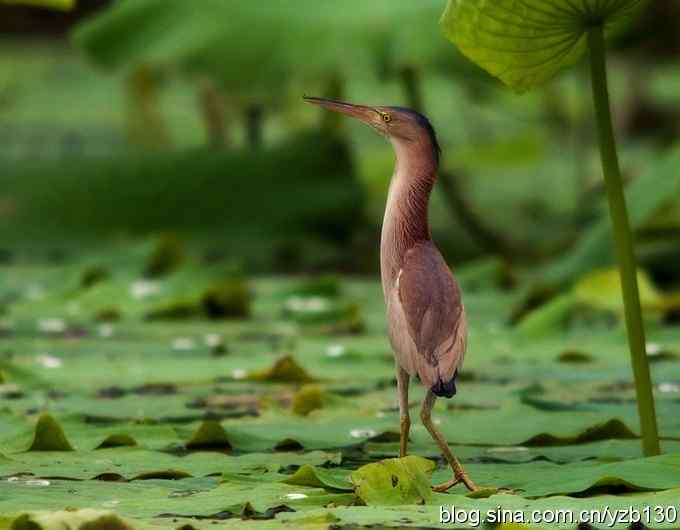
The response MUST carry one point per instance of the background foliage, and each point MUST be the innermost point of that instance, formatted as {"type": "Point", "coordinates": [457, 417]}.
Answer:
{"type": "Point", "coordinates": [192, 327]}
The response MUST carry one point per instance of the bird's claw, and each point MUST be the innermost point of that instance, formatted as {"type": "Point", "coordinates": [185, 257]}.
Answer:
{"type": "Point", "coordinates": [446, 486]}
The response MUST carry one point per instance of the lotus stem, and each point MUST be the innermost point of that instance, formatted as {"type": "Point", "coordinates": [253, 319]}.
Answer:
{"type": "Point", "coordinates": [623, 241]}
{"type": "Point", "coordinates": [254, 126]}
{"type": "Point", "coordinates": [410, 79]}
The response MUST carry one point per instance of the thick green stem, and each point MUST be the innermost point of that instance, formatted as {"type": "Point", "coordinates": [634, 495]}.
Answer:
{"type": "Point", "coordinates": [254, 119]}
{"type": "Point", "coordinates": [624, 243]}
{"type": "Point", "coordinates": [211, 105]}
{"type": "Point", "coordinates": [411, 81]}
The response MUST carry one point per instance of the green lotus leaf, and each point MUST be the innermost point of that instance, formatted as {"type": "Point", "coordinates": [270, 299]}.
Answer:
{"type": "Point", "coordinates": [49, 436]}
{"type": "Point", "coordinates": [394, 481]}
{"type": "Point", "coordinates": [526, 42]}
{"type": "Point", "coordinates": [318, 477]}
{"type": "Point", "coordinates": [209, 434]}
{"type": "Point", "coordinates": [117, 440]}
{"type": "Point", "coordinates": [601, 289]}
{"type": "Point", "coordinates": [284, 370]}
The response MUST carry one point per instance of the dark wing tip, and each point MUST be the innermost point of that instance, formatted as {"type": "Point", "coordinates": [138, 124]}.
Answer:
{"type": "Point", "coordinates": [445, 389]}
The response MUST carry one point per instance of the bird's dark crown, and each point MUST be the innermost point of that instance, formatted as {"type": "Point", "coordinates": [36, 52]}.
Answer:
{"type": "Point", "coordinates": [423, 122]}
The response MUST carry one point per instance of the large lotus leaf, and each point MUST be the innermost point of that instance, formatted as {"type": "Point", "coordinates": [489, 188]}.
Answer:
{"type": "Point", "coordinates": [520, 510]}
{"type": "Point", "coordinates": [543, 479]}
{"type": "Point", "coordinates": [355, 36]}
{"type": "Point", "coordinates": [601, 451]}
{"type": "Point", "coordinates": [151, 498]}
{"type": "Point", "coordinates": [538, 427]}
{"type": "Point", "coordinates": [140, 464]}
{"type": "Point", "coordinates": [526, 43]}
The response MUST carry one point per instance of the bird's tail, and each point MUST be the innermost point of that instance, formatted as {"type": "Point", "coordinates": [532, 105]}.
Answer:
{"type": "Point", "coordinates": [445, 389]}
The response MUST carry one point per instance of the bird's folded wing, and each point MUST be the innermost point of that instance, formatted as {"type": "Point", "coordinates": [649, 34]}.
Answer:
{"type": "Point", "coordinates": [432, 306]}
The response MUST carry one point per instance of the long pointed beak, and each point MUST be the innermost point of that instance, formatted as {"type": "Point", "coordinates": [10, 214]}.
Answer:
{"type": "Point", "coordinates": [360, 112]}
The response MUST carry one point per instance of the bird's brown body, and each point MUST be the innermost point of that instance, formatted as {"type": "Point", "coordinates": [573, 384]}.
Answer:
{"type": "Point", "coordinates": [425, 314]}
{"type": "Point", "coordinates": [426, 319]}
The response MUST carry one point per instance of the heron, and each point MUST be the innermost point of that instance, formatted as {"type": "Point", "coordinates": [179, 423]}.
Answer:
{"type": "Point", "coordinates": [425, 314]}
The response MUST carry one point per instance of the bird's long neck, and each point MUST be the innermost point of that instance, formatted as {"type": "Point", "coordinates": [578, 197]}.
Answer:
{"type": "Point", "coordinates": [405, 222]}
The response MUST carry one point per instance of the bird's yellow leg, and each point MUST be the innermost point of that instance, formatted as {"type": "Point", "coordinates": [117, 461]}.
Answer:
{"type": "Point", "coordinates": [404, 417]}
{"type": "Point", "coordinates": [458, 471]}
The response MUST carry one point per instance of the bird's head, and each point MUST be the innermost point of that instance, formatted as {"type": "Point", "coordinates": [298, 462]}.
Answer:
{"type": "Point", "coordinates": [397, 123]}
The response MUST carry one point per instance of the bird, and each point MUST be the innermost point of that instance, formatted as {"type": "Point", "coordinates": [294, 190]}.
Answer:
{"type": "Point", "coordinates": [426, 320]}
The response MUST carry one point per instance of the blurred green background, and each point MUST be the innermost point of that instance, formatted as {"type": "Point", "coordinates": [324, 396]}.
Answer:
{"type": "Point", "coordinates": [122, 120]}
{"type": "Point", "coordinates": [189, 261]}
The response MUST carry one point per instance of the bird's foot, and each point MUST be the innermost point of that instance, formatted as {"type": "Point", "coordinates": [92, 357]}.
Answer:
{"type": "Point", "coordinates": [446, 486]}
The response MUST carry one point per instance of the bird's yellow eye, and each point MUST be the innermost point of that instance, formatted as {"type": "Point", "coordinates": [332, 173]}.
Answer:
{"type": "Point", "coordinates": [386, 117]}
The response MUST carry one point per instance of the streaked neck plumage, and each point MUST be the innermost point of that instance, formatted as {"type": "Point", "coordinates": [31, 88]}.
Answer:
{"type": "Point", "coordinates": [405, 222]}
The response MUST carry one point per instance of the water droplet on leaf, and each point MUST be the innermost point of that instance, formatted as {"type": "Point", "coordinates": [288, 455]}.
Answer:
{"type": "Point", "coordinates": [144, 288]}
{"type": "Point", "coordinates": [668, 388]}
{"type": "Point", "coordinates": [295, 496]}
{"type": "Point", "coordinates": [362, 433]}
{"type": "Point", "coordinates": [38, 482]}
{"type": "Point", "coordinates": [49, 361]}
{"type": "Point", "coordinates": [335, 350]}
{"type": "Point", "coordinates": [51, 325]}
{"type": "Point", "coordinates": [106, 330]}
{"type": "Point", "coordinates": [183, 344]}
{"type": "Point", "coordinates": [212, 339]}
